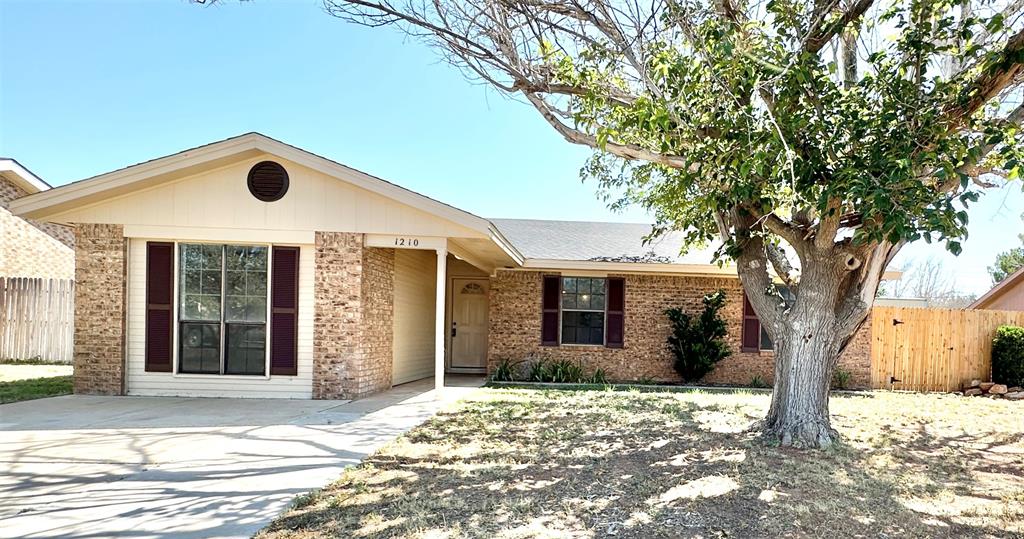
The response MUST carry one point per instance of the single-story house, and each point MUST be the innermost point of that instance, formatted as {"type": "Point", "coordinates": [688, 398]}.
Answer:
{"type": "Point", "coordinates": [252, 268]}
{"type": "Point", "coordinates": [30, 248]}
{"type": "Point", "coordinates": [1006, 295]}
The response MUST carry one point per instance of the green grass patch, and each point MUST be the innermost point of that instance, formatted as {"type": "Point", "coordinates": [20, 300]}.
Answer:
{"type": "Point", "coordinates": [32, 361]}
{"type": "Point", "coordinates": [35, 388]}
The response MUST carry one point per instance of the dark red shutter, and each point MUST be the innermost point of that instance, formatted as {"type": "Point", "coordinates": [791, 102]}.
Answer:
{"type": "Point", "coordinates": [751, 338]}
{"type": "Point", "coordinates": [159, 298]}
{"type": "Point", "coordinates": [284, 311]}
{"type": "Point", "coordinates": [551, 303]}
{"type": "Point", "coordinates": [615, 311]}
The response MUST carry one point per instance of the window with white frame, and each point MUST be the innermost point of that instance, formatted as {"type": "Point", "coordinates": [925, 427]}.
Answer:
{"type": "Point", "coordinates": [583, 310]}
{"type": "Point", "coordinates": [222, 310]}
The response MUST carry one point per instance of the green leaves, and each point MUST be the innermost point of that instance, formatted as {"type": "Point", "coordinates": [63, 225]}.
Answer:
{"type": "Point", "coordinates": [763, 126]}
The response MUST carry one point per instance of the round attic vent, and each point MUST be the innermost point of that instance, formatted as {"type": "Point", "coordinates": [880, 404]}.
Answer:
{"type": "Point", "coordinates": [268, 181]}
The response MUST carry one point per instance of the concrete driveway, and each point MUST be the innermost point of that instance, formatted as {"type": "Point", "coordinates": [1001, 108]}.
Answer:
{"type": "Point", "coordinates": [80, 466]}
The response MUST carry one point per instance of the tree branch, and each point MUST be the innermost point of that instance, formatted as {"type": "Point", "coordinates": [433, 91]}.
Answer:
{"type": "Point", "coordinates": [575, 136]}
{"type": "Point", "coordinates": [995, 77]}
{"type": "Point", "coordinates": [818, 39]}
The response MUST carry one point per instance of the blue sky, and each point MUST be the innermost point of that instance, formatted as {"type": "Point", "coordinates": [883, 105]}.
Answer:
{"type": "Point", "coordinates": [88, 87]}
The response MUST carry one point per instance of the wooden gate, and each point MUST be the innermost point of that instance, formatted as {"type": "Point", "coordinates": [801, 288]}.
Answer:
{"type": "Point", "coordinates": [933, 349]}
{"type": "Point", "coordinates": [37, 318]}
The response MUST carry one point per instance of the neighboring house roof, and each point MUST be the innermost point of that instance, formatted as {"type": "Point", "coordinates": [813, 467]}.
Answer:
{"type": "Point", "coordinates": [1002, 288]}
{"type": "Point", "coordinates": [21, 176]}
{"type": "Point", "coordinates": [598, 242]}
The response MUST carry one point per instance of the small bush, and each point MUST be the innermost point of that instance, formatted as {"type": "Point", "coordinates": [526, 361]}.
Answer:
{"type": "Point", "coordinates": [698, 343]}
{"type": "Point", "coordinates": [538, 371]}
{"type": "Point", "coordinates": [841, 378]}
{"type": "Point", "coordinates": [1008, 356]}
{"type": "Point", "coordinates": [505, 371]}
{"type": "Point", "coordinates": [558, 371]}
{"type": "Point", "coordinates": [564, 371]}
{"type": "Point", "coordinates": [757, 381]}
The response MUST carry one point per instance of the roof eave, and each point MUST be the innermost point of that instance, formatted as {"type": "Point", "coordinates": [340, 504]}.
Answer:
{"type": "Point", "coordinates": [23, 177]}
{"type": "Point", "coordinates": [630, 267]}
{"type": "Point", "coordinates": [998, 289]}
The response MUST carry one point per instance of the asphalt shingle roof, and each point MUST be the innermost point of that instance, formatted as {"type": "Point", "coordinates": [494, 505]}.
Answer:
{"type": "Point", "coordinates": [609, 242]}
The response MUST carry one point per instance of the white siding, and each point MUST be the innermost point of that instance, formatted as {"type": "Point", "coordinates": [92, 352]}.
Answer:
{"type": "Point", "coordinates": [220, 199]}
{"type": "Point", "coordinates": [414, 315]}
{"type": "Point", "coordinates": [140, 382]}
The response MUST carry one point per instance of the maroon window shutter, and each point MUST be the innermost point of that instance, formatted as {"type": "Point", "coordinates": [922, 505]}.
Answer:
{"type": "Point", "coordinates": [159, 299]}
{"type": "Point", "coordinates": [616, 307]}
{"type": "Point", "coordinates": [751, 338]}
{"type": "Point", "coordinates": [284, 311]}
{"type": "Point", "coordinates": [551, 303]}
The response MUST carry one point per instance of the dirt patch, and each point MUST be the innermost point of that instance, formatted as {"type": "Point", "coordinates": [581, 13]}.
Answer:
{"type": "Point", "coordinates": [524, 463]}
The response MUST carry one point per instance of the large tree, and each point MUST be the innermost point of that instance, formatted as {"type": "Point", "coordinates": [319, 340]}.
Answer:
{"type": "Point", "coordinates": [811, 138]}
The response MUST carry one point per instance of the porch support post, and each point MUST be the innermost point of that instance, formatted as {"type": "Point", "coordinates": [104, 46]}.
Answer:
{"type": "Point", "coordinates": [439, 332]}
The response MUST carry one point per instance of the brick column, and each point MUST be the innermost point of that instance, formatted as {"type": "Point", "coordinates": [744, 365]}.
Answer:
{"type": "Point", "coordinates": [353, 317]}
{"type": "Point", "coordinates": [100, 286]}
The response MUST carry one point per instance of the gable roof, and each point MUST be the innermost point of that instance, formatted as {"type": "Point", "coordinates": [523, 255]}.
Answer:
{"type": "Point", "coordinates": [598, 242]}
{"type": "Point", "coordinates": [1011, 281]}
{"type": "Point", "coordinates": [182, 164]}
{"type": "Point", "coordinates": [15, 172]}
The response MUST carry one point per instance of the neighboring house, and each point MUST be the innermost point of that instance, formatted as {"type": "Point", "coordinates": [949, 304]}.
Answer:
{"type": "Point", "coordinates": [30, 248]}
{"type": "Point", "coordinates": [1006, 295]}
{"type": "Point", "coordinates": [252, 268]}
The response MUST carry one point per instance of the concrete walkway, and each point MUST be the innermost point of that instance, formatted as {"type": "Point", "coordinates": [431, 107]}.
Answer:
{"type": "Point", "coordinates": [80, 466]}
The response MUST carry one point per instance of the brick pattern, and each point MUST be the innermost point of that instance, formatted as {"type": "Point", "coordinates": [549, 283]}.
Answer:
{"type": "Point", "coordinates": [515, 317]}
{"type": "Point", "coordinates": [99, 309]}
{"type": "Point", "coordinates": [378, 292]}
{"type": "Point", "coordinates": [353, 317]}
{"type": "Point", "coordinates": [30, 248]}
{"type": "Point", "coordinates": [856, 359]}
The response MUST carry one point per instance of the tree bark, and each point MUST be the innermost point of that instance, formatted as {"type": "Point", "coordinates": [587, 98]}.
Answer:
{"type": "Point", "coordinates": [799, 415]}
{"type": "Point", "coordinates": [808, 338]}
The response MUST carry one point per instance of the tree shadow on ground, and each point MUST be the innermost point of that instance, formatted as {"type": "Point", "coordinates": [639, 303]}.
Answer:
{"type": "Point", "coordinates": [595, 464]}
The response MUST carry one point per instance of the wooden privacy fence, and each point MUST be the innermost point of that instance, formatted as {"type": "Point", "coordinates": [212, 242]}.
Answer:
{"type": "Point", "coordinates": [36, 318]}
{"type": "Point", "coordinates": [933, 349]}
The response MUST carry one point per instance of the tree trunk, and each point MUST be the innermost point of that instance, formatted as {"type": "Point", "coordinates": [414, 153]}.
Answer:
{"type": "Point", "coordinates": [808, 341]}
{"type": "Point", "coordinates": [799, 416]}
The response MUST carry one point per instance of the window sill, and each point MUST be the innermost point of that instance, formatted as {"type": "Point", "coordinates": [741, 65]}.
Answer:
{"type": "Point", "coordinates": [223, 376]}
{"type": "Point", "coordinates": [575, 345]}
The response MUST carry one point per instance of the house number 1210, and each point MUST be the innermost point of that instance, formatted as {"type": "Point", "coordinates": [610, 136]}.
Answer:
{"type": "Point", "coordinates": [407, 242]}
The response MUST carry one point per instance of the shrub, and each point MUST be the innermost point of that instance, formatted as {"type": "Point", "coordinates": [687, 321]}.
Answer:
{"type": "Point", "coordinates": [538, 371]}
{"type": "Point", "coordinates": [599, 377]}
{"type": "Point", "coordinates": [698, 343]}
{"type": "Point", "coordinates": [505, 371]}
{"type": "Point", "coordinates": [757, 381]}
{"type": "Point", "coordinates": [564, 371]}
{"type": "Point", "coordinates": [841, 378]}
{"type": "Point", "coordinates": [1008, 356]}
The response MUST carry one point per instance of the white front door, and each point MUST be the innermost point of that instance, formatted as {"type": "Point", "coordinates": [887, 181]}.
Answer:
{"type": "Point", "coordinates": [469, 323]}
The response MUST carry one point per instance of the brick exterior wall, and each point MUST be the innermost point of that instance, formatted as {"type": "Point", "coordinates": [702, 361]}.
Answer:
{"type": "Point", "coordinates": [378, 292]}
{"type": "Point", "coordinates": [515, 318]}
{"type": "Point", "coordinates": [353, 317]}
{"type": "Point", "coordinates": [30, 248]}
{"type": "Point", "coordinates": [99, 309]}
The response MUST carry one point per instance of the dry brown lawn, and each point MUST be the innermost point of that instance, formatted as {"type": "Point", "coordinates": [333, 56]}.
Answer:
{"type": "Point", "coordinates": [526, 463]}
